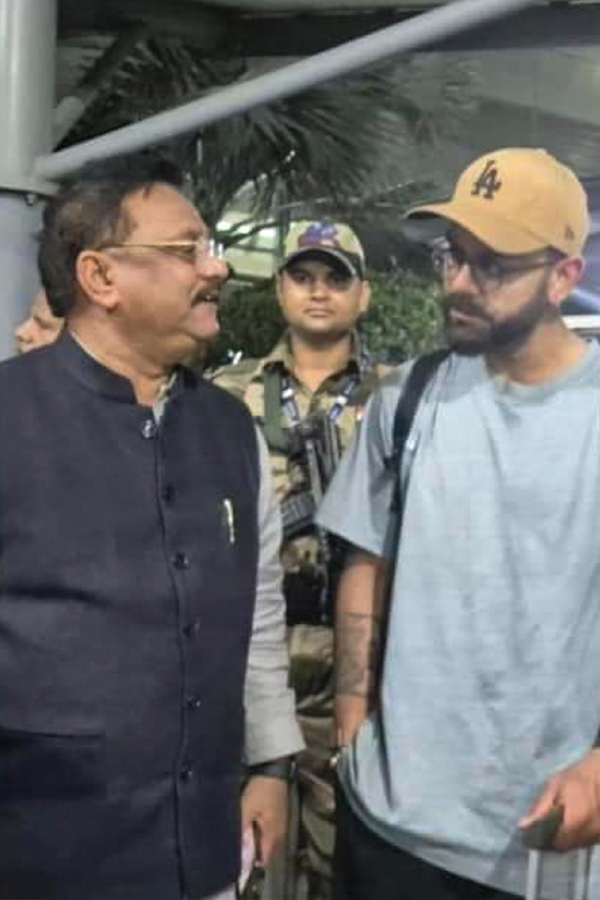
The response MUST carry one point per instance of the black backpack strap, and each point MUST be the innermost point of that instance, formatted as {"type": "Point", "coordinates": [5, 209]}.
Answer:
{"type": "Point", "coordinates": [419, 376]}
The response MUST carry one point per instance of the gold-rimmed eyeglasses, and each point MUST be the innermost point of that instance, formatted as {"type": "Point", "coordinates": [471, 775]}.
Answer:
{"type": "Point", "coordinates": [190, 251]}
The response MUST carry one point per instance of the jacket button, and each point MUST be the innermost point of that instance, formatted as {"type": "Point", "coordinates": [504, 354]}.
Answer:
{"type": "Point", "coordinates": [186, 773]}
{"type": "Point", "coordinates": [148, 429]}
{"type": "Point", "coordinates": [191, 628]}
{"type": "Point", "coordinates": [193, 702]}
{"type": "Point", "coordinates": [180, 560]}
{"type": "Point", "coordinates": [168, 493]}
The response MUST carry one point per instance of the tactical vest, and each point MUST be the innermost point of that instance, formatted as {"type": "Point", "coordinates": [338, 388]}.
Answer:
{"type": "Point", "coordinates": [128, 558]}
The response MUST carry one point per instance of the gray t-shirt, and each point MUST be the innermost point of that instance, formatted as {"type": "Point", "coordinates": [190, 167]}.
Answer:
{"type": "Point", "coordinates": [491, 681]}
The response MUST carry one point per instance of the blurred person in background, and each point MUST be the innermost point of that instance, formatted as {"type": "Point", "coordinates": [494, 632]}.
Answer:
{"type": "Point", "coordinates": [41, 326]}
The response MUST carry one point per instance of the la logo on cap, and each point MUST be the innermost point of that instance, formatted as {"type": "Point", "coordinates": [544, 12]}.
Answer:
{"type": "Point", "coordinates": [488, 183]}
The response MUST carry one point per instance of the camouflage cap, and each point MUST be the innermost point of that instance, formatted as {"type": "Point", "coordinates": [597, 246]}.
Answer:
{"type": "Point", "coordinates": [330, 238]}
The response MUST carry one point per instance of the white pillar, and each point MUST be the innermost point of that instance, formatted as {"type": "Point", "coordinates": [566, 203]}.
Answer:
{"type": "Point", "coordinates": [27, 77]}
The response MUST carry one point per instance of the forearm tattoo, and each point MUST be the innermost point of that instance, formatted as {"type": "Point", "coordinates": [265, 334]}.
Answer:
{"type": "Point", "coordinates": [357, 654]}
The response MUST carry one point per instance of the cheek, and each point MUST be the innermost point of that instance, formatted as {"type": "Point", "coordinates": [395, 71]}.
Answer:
{"type": "Point", "coordinates": [349, 309]}
{"type": "Point", "coordinates": [499, 310]}
{"type": "Point", "coordinates": [179, 285]}
{"type": "Point", "coordinates": [167, 297]}
{"type": "Point", "coordinates": [291, 304]}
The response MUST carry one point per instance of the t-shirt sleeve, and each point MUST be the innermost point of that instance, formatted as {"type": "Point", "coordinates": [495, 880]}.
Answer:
{"type": "Point", "coordinates": [357, 505]}
{"type": "Point", "coordinates": [271, 727]}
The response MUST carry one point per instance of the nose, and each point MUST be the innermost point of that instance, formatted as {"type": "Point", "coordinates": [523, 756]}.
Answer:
{"type": "Point", "coordinates": [461, 280]}
{"type": "Point", "coordinates": [319, 288]}
{"type": "Point", "coordinates": [213, 269]}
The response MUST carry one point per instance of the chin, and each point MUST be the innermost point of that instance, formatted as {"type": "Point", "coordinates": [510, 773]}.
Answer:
{"type": "Point", "coordinates": [323, 328]}
{"type": "Point", "coordinates": [206, 325]}
{"type": "Point", "coordinates": [208, 334]}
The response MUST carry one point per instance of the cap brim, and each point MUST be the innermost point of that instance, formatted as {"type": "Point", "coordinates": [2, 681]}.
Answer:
{"type": "Point", "coordinates": [323, 251]}
{"type": "Point", "coordinates": [489, 228]}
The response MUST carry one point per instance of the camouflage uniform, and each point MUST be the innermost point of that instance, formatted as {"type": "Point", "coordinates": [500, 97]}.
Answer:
{"type": "Point", "coordinates": [311, 645]}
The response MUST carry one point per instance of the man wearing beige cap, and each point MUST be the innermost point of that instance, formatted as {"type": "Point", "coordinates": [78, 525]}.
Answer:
{"type": "Point", "coordinates": [480, 712]}
{"type": "Point", "coordinates": [308, 394]}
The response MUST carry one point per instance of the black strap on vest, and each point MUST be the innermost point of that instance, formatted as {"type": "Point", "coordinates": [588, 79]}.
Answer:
{"type": "Point", "coordinates": [421, 373]}
{"type": "Point", "coordinates": [276, 436]}
{"type": "Point", "coordinates": [279, 397]}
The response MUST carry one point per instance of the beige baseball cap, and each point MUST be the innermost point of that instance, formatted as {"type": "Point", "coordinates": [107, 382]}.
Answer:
{"type": "Point", "coordinates": [331, 238]}
{"type": "Point", "coordinates": [518, 200]}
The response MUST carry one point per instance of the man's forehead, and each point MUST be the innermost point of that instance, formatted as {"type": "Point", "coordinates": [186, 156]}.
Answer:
{"type": "Point", "coordinates": [163, 208]}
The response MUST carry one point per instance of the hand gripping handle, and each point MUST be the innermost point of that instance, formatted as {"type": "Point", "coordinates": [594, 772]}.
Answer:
{"type": "Point", "coordinates": [539, 836]}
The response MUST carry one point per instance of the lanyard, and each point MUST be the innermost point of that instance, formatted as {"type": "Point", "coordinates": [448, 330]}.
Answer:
{"type": "Point", "coordinates": [289, 403]}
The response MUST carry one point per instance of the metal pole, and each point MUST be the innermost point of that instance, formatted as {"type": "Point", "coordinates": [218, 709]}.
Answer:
{"type": "Point", "coordinates": [424, 29]}
{"type": "Point", "coordinates": [27, 56]}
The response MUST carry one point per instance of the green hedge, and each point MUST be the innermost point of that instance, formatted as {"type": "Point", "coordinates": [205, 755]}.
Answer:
{"type": "Point", "coordinates": [403, 320]}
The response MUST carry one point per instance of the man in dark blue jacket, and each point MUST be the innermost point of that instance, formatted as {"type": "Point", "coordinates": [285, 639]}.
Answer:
{"type": "Point", "coordinates": [142, 649]}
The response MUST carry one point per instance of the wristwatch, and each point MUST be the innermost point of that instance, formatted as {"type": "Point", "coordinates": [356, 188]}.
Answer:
{"type": "Point", "coordinates": [283, 768]}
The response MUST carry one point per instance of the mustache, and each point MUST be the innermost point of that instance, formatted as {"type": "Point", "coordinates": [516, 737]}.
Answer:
{"type": "Point", "coordinates": [463, 303]}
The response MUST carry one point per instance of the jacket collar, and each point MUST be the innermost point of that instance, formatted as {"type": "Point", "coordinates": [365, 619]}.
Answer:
{"type": "Point", "coordinates": [97, 377]}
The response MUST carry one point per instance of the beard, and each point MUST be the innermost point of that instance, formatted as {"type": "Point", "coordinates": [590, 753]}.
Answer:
{"type": "Point", "coordinates": [474, 331]}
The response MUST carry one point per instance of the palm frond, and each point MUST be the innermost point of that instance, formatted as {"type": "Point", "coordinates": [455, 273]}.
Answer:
{"type": "Point", "coordinates": [328, 142]}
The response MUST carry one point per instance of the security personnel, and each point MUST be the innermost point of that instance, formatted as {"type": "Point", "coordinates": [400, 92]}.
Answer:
{"type": "Point", "coordinates": [308, 395]}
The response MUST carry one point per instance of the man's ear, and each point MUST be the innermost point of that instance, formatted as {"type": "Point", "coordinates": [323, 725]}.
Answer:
{"type": "Point", "coordinates": [365, 300]}
{"type": "Point", "coordinates": [95, 277]}
{"type": "Point", "coordinates": [564, 278]}
{"type": "Point", "coordinates": [278, 287]}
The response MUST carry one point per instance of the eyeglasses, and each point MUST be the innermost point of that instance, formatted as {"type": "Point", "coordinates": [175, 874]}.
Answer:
{"type": "Point", "coordinates": [190, 251]}
{"type": "Point", "coordinates": [488, 270]}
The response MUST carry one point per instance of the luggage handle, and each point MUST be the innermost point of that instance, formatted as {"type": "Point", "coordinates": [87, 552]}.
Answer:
{"type": "Point", "coordinates": [539, 836]}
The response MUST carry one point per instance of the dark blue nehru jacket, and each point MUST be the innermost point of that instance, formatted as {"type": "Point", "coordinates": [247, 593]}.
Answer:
{"type": "Point", "coordinates": [128, 558]}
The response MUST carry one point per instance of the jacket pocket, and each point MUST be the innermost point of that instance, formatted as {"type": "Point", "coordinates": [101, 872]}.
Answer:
{"type": "Point", "coordinates": [42, 766]}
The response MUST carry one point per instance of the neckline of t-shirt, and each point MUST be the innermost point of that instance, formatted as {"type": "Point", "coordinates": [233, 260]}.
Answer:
{"type": "Point", "coordinates": [526, 392]}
